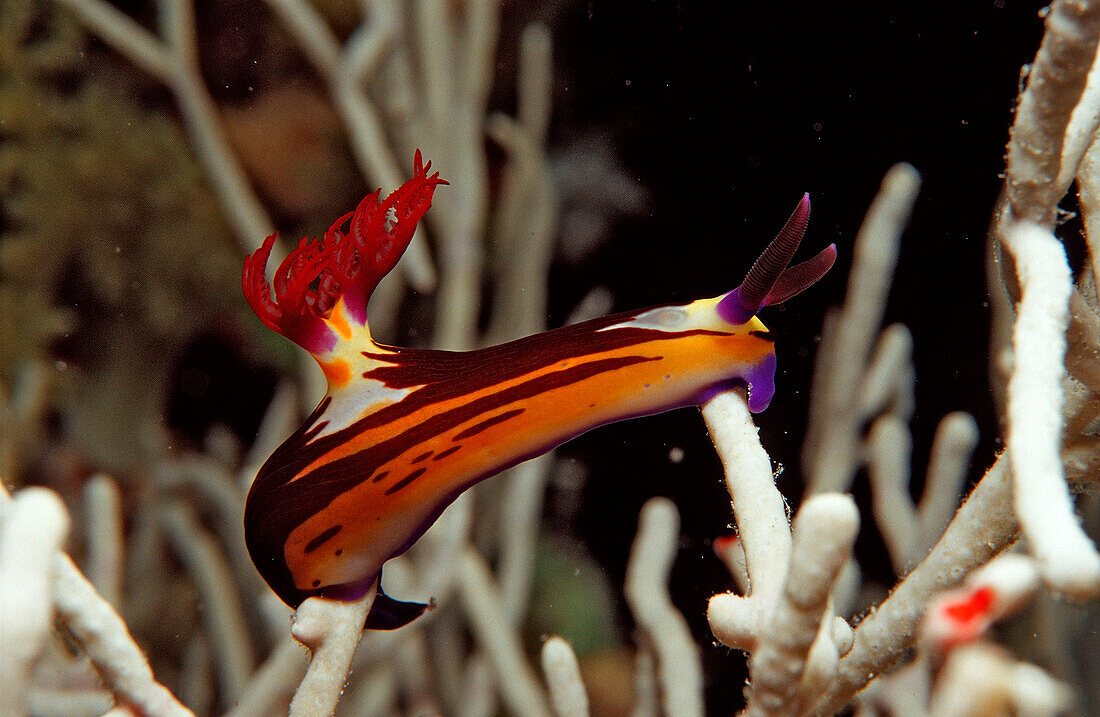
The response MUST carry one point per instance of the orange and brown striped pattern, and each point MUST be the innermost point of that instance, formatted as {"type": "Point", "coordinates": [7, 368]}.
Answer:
{"type": "Point", "coordinates": [402, 432]}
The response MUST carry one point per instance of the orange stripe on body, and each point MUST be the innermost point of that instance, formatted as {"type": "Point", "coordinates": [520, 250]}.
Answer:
{"type": "Point", "coordinates": [368, 438]}
{"type": "Point", "coordinates": [377, 524]}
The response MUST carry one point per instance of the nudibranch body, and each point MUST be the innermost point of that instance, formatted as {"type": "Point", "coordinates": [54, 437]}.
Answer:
{"type": "Point", "coordinates": [402, 432]}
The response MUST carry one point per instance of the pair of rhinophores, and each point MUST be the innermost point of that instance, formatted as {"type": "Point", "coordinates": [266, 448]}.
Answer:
{"type": "Point", "coordinates": [402, 432]}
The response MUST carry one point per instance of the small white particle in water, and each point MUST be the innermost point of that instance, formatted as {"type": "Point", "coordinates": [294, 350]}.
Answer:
{"type": "Point", "coordinates": [676, 454]}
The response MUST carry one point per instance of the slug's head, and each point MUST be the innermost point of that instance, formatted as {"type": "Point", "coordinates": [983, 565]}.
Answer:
{"type": "Point", "coordinates": [321, 289]}
{"type": "Point", "coordinates": [770, 281]}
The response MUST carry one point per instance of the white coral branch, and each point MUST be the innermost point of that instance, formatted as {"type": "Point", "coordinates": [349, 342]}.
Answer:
{"type": "Point", "coordinates": [223, 610]}
{"type": "Point", "coordinates": [331, 630]}
{"type": "Point", "coordinates": [103, 521]}
{"type": "Point", "coordinates": [983, 526]}
{"type": "Point", "coordinates": [97, 628]}
{"type": "Point", "coordinates": [173, 62]}
{"type": "Point", "coordinates": [761, 514]}
{"type": "Point", "coordinates": [500, 642]}
{"type": "Point", "coordinates": [563, 675]}
{"type": "Point", "coordinates": [1067, 557]}
{"type": "Point", "coordinates": [981, 678]}
{"type": "Point", "coordinates": [824, 532]}
{"type": "Point", "coordinates": [33, 528]}
{"type": "Point", "coordinates": [843, 367]}
{"type": "Point", "coordinates": [678, 666]}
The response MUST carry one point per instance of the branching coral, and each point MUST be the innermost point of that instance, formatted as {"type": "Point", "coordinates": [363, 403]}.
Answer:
{"type": "Point", "coordinates": [1036, 163]}
{"type": "Point", "coordinates": [665, 628]}
{"type": "Point", "coordinates": [132, 233]}
{"type": "Point", "coordinates": [563, 677]}
{"type": "Point", "coordinates": [35, 525]}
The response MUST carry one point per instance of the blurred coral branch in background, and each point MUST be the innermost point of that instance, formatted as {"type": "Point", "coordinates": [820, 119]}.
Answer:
{"type": "Point", "coordinates": [157, 528]}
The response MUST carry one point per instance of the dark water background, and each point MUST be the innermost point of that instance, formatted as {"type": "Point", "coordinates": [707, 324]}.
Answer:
{"type": "Point", "coordinates": [727, 112]}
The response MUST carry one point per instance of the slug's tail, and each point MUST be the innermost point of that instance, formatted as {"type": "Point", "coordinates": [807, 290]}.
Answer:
{"type": "Point", "coordinates": [321, 289]}
{"type": "Point", "coordinates": [389, 614]}
{"type": "Point", "coordinates": [385, 612]}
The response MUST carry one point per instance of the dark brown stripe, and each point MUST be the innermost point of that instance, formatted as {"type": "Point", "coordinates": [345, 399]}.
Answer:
{"type": "Point", "coordinates": [332, 478]}
{"type": "Point", "coordinates": [406, 480]}
{"type": "Point", "coordinates": [329, 479]}
{"type": "Point", "coordinates": [765, 335]}
{"type": "Point", "coordinates": [488, 423]}
{"type": "Point", "coordinates": [323, 538]}
{"type": "Point", "coordinates": [277, 504]}
{"type": "Point", "coordinates": [443, 454]}
{"type": "Point", "coordinates": [309, 429]}
{"type": "Point", "coordinates": [422, 457]}
{"type": "Point", "coordinates": [468, 371]}
{"type": "Point", "coordinates": [315, 430]}
{"type": "Point", "coordinates": [380, 476]}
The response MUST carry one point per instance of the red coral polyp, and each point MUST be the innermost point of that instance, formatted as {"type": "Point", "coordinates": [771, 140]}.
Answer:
{"type": "Point", "coordinates": [346, 263]}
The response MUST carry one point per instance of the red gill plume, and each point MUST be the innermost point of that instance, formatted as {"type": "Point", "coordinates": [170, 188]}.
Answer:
{"type": "Point", "coordinates": [348, 261]}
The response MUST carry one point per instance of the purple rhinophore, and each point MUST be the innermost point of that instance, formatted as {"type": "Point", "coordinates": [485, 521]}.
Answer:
{"type": "Point", "coordinates": [733, 310]}
{"type": "Point", "coordinates": [741, 304]}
